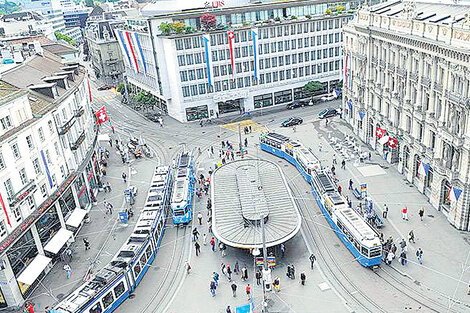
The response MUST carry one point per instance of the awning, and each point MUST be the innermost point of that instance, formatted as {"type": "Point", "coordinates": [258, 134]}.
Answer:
{"type": "Point", "coordinates": [34, 269]}
{"type": "Point", "coordinates": [103, 137]}
{"type": "Point", "coordinates": [76, 218]}
{"type": "Point", "coordinates": [58, 241]}
{"type": "Point", "coordinates": [384, 140]}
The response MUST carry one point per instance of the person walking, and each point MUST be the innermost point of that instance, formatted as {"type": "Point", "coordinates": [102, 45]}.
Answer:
{"type": "Point", "coordinates": [109, 206]}
{"type": "Point", "coordinates": [320, 146]}
{"type": "Point", "coordinates": [212, 288]}
{"type": "Point", "coordinates": [333, 170]}
{"type": "Point", "coordinates": [403, 245]}
{"type": "Point", "coordinates": [339, 189]}
{"type": "Point", "coordinates": [68, 271]}
{"type": "Point", "coordinates": [213, 243]}
{"type": "Point", "coordinates": [411, 236]}
{"type": "Point", "coordinates": [277, 284]}
{"type": "Point", "coordinates": [385, 211]}
{"type": "Point", "coordinates": [244, 273]}
{"type": "Point", "coordinates": [303, 277]}
{"type": "Point", "coordinates": [229, 272]}
{"type": "Point", "coordinates": [236, 268]}
{"type": "Point", "coordinates": [248, 292]}
{"type": "Point", "coordinates": [195, 234]}
{"type": "Point", "coordinates": [350, 184]}
{"type": "Point", "coordinates": [204, 239]}
{"type": "Point", "coordinates": [234, 289]}
{"type": "Point", "coordinates": [403, 258]}
{"type": "Point", "coordinates": [390, 257]}
{"type": "Point", "coordinates": [246, 142]}
{"type": "Point", "coordinates": [215, 277]}
{"type": "Point", "coordinates": [199, 217]}
{"type": "Point", "coordinates": [187, 266]}
{"type": "Point", "coordinates": [404, 213]}
{"type": "Point", "coordinates": [258, 277]}
{"type": "Point", "coordinates": [124, 177]}
{"type": "Point", "coordinates": [222, 248]}
{"type": "Point", "coordinates": [421, 213]}
{"type": "Point", "coordinates": [334, 158]}
{"type": "Point", "coordinates": [87, 243]}
{"type": "Point", "coordinates": [289, 271]}
{"type": "Point", "coordinates": [228, 310]}
{"type": "Point", "coordinates": [198, 248]}
{"type": "Point", "coordinates": [283, 250]}
{"type": "Point", "coordinates": [343, 164]}
{"type": "Point", "coordinates": [312, 259]}
{"type": "Point", "coordinates": [419, 255]}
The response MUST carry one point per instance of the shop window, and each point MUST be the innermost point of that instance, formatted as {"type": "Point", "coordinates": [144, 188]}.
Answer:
{"type": "Point", "coordinates": [108, 299]}
{"type": "Point", "coordinates": [282, 96]}
{"type": "Point", "coordinates": [119, 289]}
{"type": "Point", "coordinates": [48, 225]}
{"type": "Point", "coordinates": [263, 100]}
{"type": "Point", "coordinates": [196, 113]}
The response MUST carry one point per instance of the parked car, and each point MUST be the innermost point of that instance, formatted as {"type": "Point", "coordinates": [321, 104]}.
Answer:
{"type": "Point", "coordinates": [299, 103]}
{"type": "Point", "coordinates": [105, 87]}
{"type": "Point", "coordinates": [292, 122]}
{"type": "Point", "coordinates": [329, 97]}
{"type": "Point", "coordinates": [327, 113]}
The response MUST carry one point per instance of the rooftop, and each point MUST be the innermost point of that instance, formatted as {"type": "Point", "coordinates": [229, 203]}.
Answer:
{"type": "Point", "coordinates": [59, 48]}
{"type": "Point", "coordinates": [246, 192]}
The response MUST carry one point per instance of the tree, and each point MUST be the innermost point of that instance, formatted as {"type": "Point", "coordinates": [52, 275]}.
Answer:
{"type": "Point", "coordinates": [144, 99]}
{"type": "Point", "coordinates": [208, 21]}
{"type": "Point", "coordinates": [69, 40]}
{"type": "Point", "coordinates": [313, 88]}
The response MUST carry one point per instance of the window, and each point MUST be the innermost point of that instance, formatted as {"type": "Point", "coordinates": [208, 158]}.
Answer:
{"type": "Point", "coordinates": [43, 190]}
{"type": "Point", "coordinates": [184, 76]}
{"type": "Point", "coordinates": [2, 162]}
{"type": "Point", "coordinates": [56, 147]}
{"type": "Point", "coordinates": [41, 134]}
{"type": "Point", "coordinates": [16, 151]}
{"type": "Point", "coordinates": [9, 188]}
{"type": "Point", "coordinates": [23, 177]}
{"type": "Point", "coordinates": [48, 157]}
{"type": "Point", "coordinates": [17, 213]}
{"type": "Point", "coordinates": [108, 299]}
{"type": "Point", "coordinates": [119, 289]}
{"type": "Point", "coordinates": [96, 308]}
{"type": "Point", "coordinates": [51, 127]}
{"type": "Point", "coordinates": [29, 142]}
{"type": "Point", "coordinates": [179, 44]}
{"type": "Point", "coordinates": [181, 60]}
{"type": "Point", "coordinates": [6, 122]}
{"type": "Point", "coordinates": [185, 91]}
{"type": "Point", "coordinates": [3, 230]}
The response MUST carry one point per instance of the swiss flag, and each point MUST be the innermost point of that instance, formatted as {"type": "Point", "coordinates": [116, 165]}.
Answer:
{"type": "Point", "coordinates": [392, 142]}
{"type": "Point", "coordinates": [380, 132]}
{"type": "Point", "coordinates": [101, 115]}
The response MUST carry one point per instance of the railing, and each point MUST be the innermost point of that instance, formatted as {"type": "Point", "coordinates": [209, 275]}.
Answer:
{"type": "Point", "coordinates": [437, 86]}
{"type": "Point", "coordinates": [79, 141]}
{"type": "Point", "coordinates": [414, 77]}
{"type": "Point", "coordinates": [426, 82]}
{"type": "Point", "coordinates": [79, 112]}
{"type": "Point", "coordinates": [67, 126]}
{"type": "Point", "coordinates": [401, 72]}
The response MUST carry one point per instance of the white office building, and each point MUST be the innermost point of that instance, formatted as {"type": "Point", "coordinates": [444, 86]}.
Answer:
{"type": "Point", "coordinates": [407, 94]}
{"type": "Point", "coordinates": [195, 72]}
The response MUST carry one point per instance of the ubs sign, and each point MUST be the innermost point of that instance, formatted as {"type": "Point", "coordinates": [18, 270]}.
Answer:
{"type": "Point", "coordinates": [215, 4]}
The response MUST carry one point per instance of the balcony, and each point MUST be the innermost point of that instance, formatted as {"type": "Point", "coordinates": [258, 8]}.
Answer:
{"type": "Point", "coordinates": [414, 77]}
{"type": "Point", "coordinates": [401, 72]}
{"type": "Point", "coordinates": [382, 63]}
{"type": "Point", "coordinates": [437, 87]}
{"type": "Point", "coordinates": [360, 56]}
{"type": "Point", "coordinates": [67, 126]}
{"type": "Point", "coordinates": [374, 60]}
{"type": "Point", "coordinates": [79, 112]}
{"type": "Point", "coordinates": [78, 142]}
{"type": "Point", "coordinates": [391, 67]}
{"type": "Point", "coordinates": [425, 82]}
{"type": "Point", "coordinates": [457, 98]}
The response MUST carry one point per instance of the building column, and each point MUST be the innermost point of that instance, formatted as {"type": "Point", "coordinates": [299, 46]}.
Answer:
{"type": "Point", "coordinates": [75, 196]}
{"type": "Point", "coordinates": [59, 213]}
{"type": "Point", "coordinates": [10, 288]}
{"type": "Point", "coordinates": [37, 240]}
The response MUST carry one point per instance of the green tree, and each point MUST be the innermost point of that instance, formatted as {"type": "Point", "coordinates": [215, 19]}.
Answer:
{"type": "Point", "coordinates": [69, 40]}
{"type": "Point", "coordinates": [144, 100]}
{"type": "Point", "coordinates": [313, 88]}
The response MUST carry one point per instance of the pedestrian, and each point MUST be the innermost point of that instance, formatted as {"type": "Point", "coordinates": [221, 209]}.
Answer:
{"type": "Point", "coordinates": [248, 292]}
{"type": "Point", "coordinates": [124, 177]}
{"type": "Point", "coordinates": [411, 236]}
{"type": "Point", "coordinates": [212, 288]}
{"type": "Point", "coordinates": [333, 169]}
{"type": "Point", "coordinates": [222, 248]}
{"type": "Point", "coordinates": [236, 268]}
{"type": "Point", "coordinates": [244, 273]}
{"type": "Point", "coordinates": [215, 277]}
{"type": "Point", "coordinates": [198, 248]}
{"type": "Point", "coordinates": [403, 245]}
{"type": "Point", "coordinates": [249, 128]}
{"type": "Point", "coordinates": [334, 158]}
{"type": "Point", "coordinates": [369, 156]}
{"type": "Point", "coordinates": [228, 310]}
{"type": "Point", "coordinates": [224, 271]}
{"type": "Point", "coordinates": [403, 258]}
{"type": "Point", "coordinates": [258, 277]}
{"type": "Point", "coordinates": [195, 234]}
{"type": "Point", "coordinates": [404, 213]}
{"type": "Point", "coordinates": [390, 257]}
{"type": "Point", "coordinates": [187, 266]}
{"type": "Point", "coordinates": [87, 243]}
{"type": "Point", "coordinates": [199, 217]}
{"type": "Point", "coordinates": [234, 289]}
{"type": "Point", "coordinates": [277, 284]}
{"type": "Point", "coordinates": [320, 146]}
{"type": "Point", "coordinates": [289, 271]}
{"type": "Point", "coordinates": [68, 271]}
{"type": "Point", "coordinates": [283, 250]}
{"type": "Point", "coordinates": [419, 255]}
{"type": "Point", "coordinates": [421, 212]}
{"type": "Point", "coordinates": [385, 211]}
{"type": "Point", "coordinates": [246, 142]}
{"type": "Point", "coordinates": [312, 259]}
{"type": "Point", "coordinates": [339, 189]}
{"type": "Point", "coordinates": [350, 184]}
{"type": "Point", "coordinates": [292, 271]}
{"type": "Point", "coordinates": [229, 272]}
{"type": "Point", "coordinates": [303, 277]}
{"type": "Point", "coordinates": [29, 307]}
{"type": "Point", "coordinates": [213, 243]}
{"type": "Point", "coordinates": [204, 239]}
{"type": "Point", "coordinates": [343, 164]}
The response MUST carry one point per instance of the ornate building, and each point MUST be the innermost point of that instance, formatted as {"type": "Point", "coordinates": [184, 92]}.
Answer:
{"type": "Point", "coordinates": [407, 72]}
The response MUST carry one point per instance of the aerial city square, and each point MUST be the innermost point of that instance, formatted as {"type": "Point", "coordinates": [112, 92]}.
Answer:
{"type": "Point", "coordinates": [232, 156]}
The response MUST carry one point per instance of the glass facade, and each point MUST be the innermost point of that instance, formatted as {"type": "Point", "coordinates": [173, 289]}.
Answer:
{"type": "Point", "coordinates": [283, 96]}
{"type": "Point", "coordinates": [48, 225]}
{"type": "Point", "coordinates": [197, 113]}
{"type": "Point", "coordinates": [67, 203]}
{"type": "Point", "coordinates": [262, 101]}
{"type": "Point", "coordinates": [82, 192]}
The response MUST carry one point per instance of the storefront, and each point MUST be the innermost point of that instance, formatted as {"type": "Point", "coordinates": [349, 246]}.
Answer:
{"type": "Point", "coordinates": [82, 192]}
{"type": "Point", "coordinates": [197, 113]}
{"type": "Point", "coordinates": [67, 203]}
{"type": "Point", "coordinates": [229, 106]}
{"type": "Point", "coordinates": [299, 93]}
{"type": "Point", "coordinates": [48, 225]}
{"type": "Point", "coordinates": [263, 101]}
{"type": "Point", "coordinates": [284, 96]}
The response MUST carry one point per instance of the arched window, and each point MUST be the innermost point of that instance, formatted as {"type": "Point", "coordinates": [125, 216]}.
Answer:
{"type": "Point", "coordinates": [416, 166]}
{"type": "Point", "coordinates": [445, 190]}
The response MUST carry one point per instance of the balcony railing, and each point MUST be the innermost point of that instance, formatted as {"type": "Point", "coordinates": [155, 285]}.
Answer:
{"type": "Point", "coordinates": [78, 142]}
{"type": "Point", "coordinates": [79, 112]}
{"type": "Point", "coordinates": [414, 77]}
{"type": "Point", "coordinates": [67, 126]}
{"type": "Point", "coordinates": [382, 63]}
{"type": "Point", "coordinates": [437, 87]}
{"type": "Point", "coordinates": [458, 98]}
{"type": "Point", "coordinates": [401, 72]}
{"type": "Point", "coordinates": [426, 82]}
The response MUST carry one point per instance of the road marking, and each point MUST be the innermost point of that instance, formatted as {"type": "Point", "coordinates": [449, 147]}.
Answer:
{"type": "Point", "coordinates": [255, 127]}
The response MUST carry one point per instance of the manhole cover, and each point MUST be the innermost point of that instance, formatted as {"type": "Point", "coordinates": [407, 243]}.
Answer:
{"type": "Point", "coordinates": [60, 296]}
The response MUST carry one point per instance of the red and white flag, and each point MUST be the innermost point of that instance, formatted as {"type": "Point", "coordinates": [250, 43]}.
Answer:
{"type": "Point", "coordinates": [101, 115]}
{"type": "Point", "coordinates": [89, 88]}
{"type": "Point", "coordinates": [231, 37]}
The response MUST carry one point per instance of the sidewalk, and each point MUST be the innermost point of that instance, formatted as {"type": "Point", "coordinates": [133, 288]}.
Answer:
{"type": "Point", "coordinates": [446, 260]}
{"type": "Point", "coordinates": [105, 232]}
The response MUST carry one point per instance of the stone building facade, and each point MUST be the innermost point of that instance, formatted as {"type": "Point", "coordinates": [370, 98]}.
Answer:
{"type": "Point", "coordinates": [407, 72]}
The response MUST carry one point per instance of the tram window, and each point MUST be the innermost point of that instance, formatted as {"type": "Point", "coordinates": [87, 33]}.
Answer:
{"type": "Point", "coordinates": [96, 308]}
{"type": "Point", "coordinates": [108, 299]}
{"type": "Point", "coordinates": [278, 146]}
{"type": "Point", "coordinates": [375, 252]}
{"type": "Point", "coordinates": [137, 269]}
{"type": "Point", "coordinates": [148, 252]}
{"type": "Point", "coordinates": [143, 259]}
{"type": "Point", "coordinates": [364, 251]}
{"type": "Point", "coordinates": [119, 289]}
{"type": "Point", "coordinates": [356, 244]}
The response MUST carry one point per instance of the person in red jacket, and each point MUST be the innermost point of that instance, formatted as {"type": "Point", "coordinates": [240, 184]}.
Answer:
{"type": "Point", "coordinates": [248, 292]}
{"type": "Point", "coordinates": [404, 213]}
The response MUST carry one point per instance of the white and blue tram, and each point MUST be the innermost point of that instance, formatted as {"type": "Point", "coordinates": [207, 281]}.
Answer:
{"type": "Point", "coordinates": [117, 280]}
{"type": "Point", "coordinates": [183, 190]}
{"type": "Point", "coordinates": [357, 235]}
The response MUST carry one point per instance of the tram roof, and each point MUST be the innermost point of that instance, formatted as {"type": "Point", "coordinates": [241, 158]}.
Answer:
{"type": "Point", "coordinates": [244, 190]}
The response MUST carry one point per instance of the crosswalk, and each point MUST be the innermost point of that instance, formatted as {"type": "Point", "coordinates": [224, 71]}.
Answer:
{"type": "Point", "coordinates": [255, 127]}
{"type": "Point", "coordinates": [105, 98]}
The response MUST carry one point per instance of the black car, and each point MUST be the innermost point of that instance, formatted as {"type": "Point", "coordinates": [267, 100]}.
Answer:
{"type": "Point", "coordinates": [327, 113]}
{"type": "Point", "coordinates": [292, 122]}
{"type": "Point", "coordinates": [299, 103]}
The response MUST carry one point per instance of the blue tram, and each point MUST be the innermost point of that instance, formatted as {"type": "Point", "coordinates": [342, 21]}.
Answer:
{"type": "Point", "coordinates": [117, 280]}
{"type": "Point", "coordinates": [183, 190]}
{"type": "Point", "coordinates": [353, 231]}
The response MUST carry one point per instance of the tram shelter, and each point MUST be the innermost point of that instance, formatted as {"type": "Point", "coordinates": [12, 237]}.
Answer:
{"type": "Point", "coordinates": [246, 193]}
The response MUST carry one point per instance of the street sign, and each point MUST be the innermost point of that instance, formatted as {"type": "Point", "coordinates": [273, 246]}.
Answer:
{"type": "Point", "coordinates": [123, 217]}
{"type": "Point", "coordinates": [364, 190]}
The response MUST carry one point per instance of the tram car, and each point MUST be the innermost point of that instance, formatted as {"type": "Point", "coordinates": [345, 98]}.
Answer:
{"type": "Point", "coordinates": [183, 190]}
{"type": "Point", "coordinates": [114, 283]}
{"type": "Point", "coordinates": [353, 231]}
